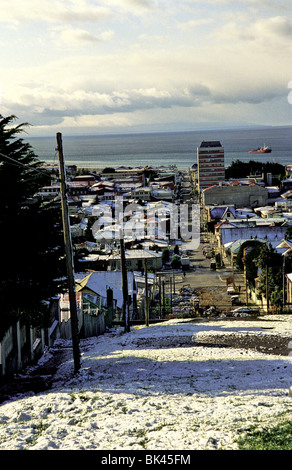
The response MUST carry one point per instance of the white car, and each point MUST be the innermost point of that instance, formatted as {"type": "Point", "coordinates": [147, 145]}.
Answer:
{"type": "Point", "coordinates": [243, 310]}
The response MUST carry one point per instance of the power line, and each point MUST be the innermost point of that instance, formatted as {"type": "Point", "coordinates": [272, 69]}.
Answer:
{"type": "Point", "coordinates": [17, 163]}
{"type": "Point", "coordinates": [14, 162]}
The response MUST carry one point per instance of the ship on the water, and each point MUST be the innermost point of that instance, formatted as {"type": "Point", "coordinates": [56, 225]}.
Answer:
{"type": "Point", "coordinates": [263, 149]}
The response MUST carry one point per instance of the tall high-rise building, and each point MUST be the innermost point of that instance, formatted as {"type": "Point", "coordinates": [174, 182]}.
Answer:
{"type": "Point", "coordinates": [210, 158]}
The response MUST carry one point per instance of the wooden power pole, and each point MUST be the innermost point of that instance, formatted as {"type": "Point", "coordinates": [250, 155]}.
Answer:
{"type": "Point", "coordinates": [146, 294]}
{"type": "Point", "coordinates": [69, 254]}
{"type": "Point", "coordinates": [125, 285]}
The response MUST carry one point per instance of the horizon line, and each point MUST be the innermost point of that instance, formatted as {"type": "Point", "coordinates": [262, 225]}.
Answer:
{"type": "Point", "coordinates": [140, 132]}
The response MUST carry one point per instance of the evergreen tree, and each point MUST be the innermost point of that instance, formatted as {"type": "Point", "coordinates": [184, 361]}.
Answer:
{"type": "Point", "coordinates": [175, 262]}
{"type": "Point", "coordinates": [165, 255]}
{"type": "Point", "coordinates": [240, 169]}
{"type": "Point", "coordinates": [255, 248]}
{"type": "Point", "coordinates": [271, 264]}
{"type": "Point", "coordinates": [31, 264]}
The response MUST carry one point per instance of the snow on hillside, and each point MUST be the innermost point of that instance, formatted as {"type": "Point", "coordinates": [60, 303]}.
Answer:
{"type": "Point", "coordinates": [156, 388]}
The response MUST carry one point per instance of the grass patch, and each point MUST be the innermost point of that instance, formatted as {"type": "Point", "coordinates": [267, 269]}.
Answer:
{"type": "Point", "coordinates": [137, 432]}
{"type": "Point", "coordinates": [39, 429]}
{"type": "Point", "coordinates": [278, 437]}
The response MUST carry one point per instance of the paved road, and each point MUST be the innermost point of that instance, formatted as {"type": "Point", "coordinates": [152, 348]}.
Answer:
{"type": "Point", "coordinates": [210, 285]}
{"type": "Point", "coordinates": [202, 276]}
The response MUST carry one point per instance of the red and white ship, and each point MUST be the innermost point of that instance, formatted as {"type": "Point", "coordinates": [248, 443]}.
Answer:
{"type": "Point", "coordinates": [263, 149]}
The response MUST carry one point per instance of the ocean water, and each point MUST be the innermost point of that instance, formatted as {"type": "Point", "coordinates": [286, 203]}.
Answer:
{"type": "Point", "coordinates": [164, 148]}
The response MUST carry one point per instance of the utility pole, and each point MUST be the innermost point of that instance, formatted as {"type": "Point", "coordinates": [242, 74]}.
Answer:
{"type": "Point", "coordinates": [173, 274]}
{"type": "Point", "coordinates": [159, 279]}
{"type": "Point", "coordinates": [246, 284]}
{"type": "Point", "coordinates": [69, 254]}
{"type": "Point", "coordinates": [284, 261]}
{"type": "Point", "coordinates": [267, 288]}
{"type": "Point", "coordinates": [146, 294]}
{"type": "Point", "coordinates": [124, 284]}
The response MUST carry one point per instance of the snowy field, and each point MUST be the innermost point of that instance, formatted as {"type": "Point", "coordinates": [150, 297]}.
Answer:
{"type": "Point", "coordinates": [156, 388]}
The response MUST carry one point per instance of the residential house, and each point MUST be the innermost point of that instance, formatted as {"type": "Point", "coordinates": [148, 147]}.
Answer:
{"type": "Point", "coordinates": [274, 194]}
{"type": "Point", "coordinates": [135, 260]}
{"type": "Point", "coordinates": [105, 289]}
{"type": "Point", "coordinates": [143, 193]}
{"type": "Point", "coordinates": [268, 212]}
{"type": "Point", "coordinates": [286, 184]}
{"type": "Point", "coordinates": [288, 170]}
{"type": "Point", "coordinates": [141, 291]}
{"type": "Point", "coordinates": [74, 188]}
{"type": "Point", "coordinates": [88, 180]}
{"type": "Point", "coordinates": [284, 247]}
{"type": "Point", "coordinates": [217, 213]}
{"type": "Point", "coordinates": [162, 193]}
{"type": "Point", "coordinates": [165, 181]}
{"type": "Point", "coordinates": [232, 248]}
{"type": "Point", "coordinates": [289, 289]}
{"type": "Point", "coordinates": [105, 190]}
{"type": "Point", "coordinates": [93, 261]}
{"type": "Point", "coordinates": [123, 172]}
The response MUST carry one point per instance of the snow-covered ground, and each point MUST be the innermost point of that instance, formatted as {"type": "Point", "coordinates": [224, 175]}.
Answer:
{"type": "Point", "coordinates": [154, 388]}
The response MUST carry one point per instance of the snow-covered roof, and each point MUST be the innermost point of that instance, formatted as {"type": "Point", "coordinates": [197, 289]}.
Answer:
{"type": "Point", "coordinates": [100, 281]}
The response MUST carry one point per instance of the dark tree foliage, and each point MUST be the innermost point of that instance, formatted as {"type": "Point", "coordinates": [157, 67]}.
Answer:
{"type": "Point", "coordinates": [31, 264]}
{"type": "Point", "coordinates": [288, 235]}
{"type": "Point", "coordinates": [240, 169]}
{"type": "Point", "coordinates": [271, 264]}
{"type": "Point", "coordinates": [253, 244]}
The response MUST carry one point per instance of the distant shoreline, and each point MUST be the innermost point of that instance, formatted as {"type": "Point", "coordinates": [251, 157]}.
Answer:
{"type": "Point", "coordinates": [153, 132]}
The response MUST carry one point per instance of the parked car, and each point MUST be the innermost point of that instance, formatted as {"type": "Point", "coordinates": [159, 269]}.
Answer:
{"type": "Point", "coordinates": [240, 310]}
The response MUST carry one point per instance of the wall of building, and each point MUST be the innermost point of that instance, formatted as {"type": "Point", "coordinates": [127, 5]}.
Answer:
{"type": "Point", "coordinates": [245, 233]}
{"type": "Point", "coordinates": [245, 196]}
{"type": "Point", "coordinates": [210, 161]}
{"type": "Point", "coordinates": [289, 289]}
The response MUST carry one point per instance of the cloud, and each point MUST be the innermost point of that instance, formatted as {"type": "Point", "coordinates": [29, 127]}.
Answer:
{"type": "Point", "coordinates": [52, 11]}
{"type": "Point", "coordinates": [140, 3]}
{"type": "Point", "coordinates": [131, 6]}
{"type": "Point", "coordinates": [47, 103]}
{"type": "Point", "coordinates": [69, 11]}
{"type": "Point", "coordinates": [147, 67]}
{"type": "Point", "coordinates": [269, 31]}
{"type": "Point", "coordinates": [56, 104]}
{"type": "Point", "coordinates": [189, 25]}
{"type": "Point", "coordinates": [79, 37]}
{"type": "Point", "coordinates": [280, 26]}
{"type": "Point", "coordinates": [143, 80]}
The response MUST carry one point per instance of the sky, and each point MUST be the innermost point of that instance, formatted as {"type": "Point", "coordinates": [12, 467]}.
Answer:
{"type": "Point", "coordinates": [112, 66]}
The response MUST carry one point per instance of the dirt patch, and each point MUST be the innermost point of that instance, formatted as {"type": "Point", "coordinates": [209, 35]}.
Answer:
{"type": "Point", "coordinates": [216, 296]}
{"type": "Point", "coordinates": [267, 344]}
{"type": "Point", "coordinates": [33, 379]}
